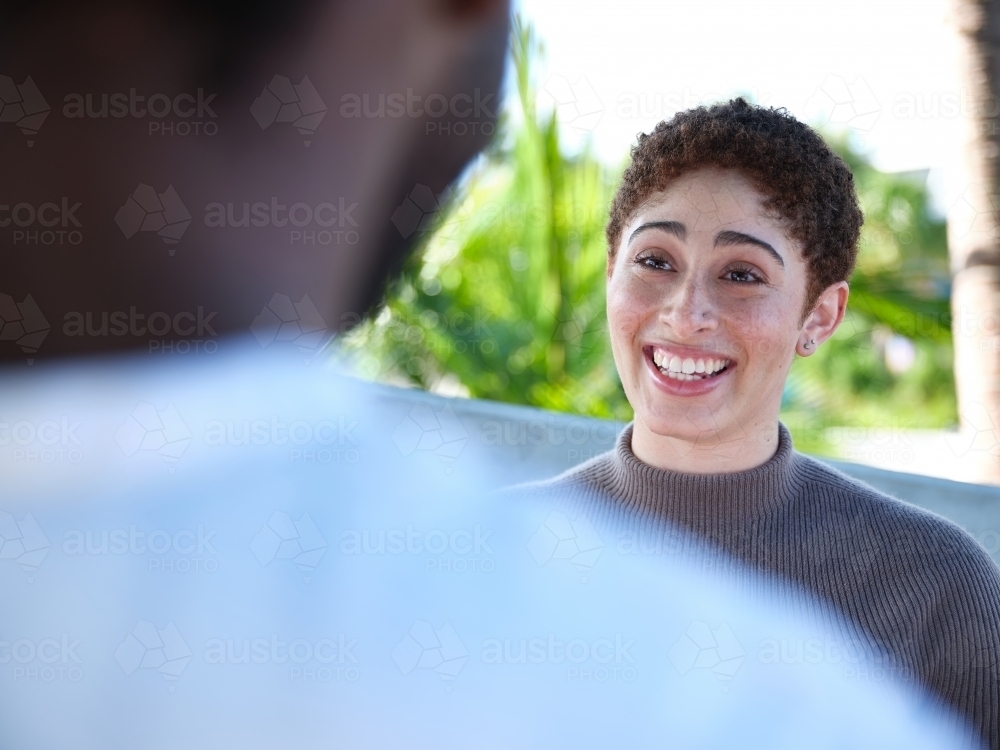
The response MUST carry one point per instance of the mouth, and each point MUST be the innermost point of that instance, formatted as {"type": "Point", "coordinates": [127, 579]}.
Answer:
{"type": "Point", "coordinates": [682, 367]}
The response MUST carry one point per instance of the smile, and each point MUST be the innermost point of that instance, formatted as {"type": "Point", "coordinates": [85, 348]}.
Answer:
{"type": "Point", "coordinates": [688, 368]}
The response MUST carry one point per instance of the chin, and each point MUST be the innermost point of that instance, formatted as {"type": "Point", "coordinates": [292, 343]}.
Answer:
{"type": "Point", "coordinates": [690, 422]}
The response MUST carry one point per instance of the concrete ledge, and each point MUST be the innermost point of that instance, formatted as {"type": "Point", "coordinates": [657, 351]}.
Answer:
{"type": "Point", "coordinates": [535, 444]}
{"type": "Point", "coordinates": [974, 507]}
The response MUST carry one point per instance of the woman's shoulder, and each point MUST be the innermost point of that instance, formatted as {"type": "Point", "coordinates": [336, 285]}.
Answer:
{"type": "Point", "coordinates": [887, 524]}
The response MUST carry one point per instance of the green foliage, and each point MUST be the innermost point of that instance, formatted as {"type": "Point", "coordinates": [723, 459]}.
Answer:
{"type": "Point", "coordinates": [504, 298]}
{"type": "Point", "coordinates": [507, 294]}
{"type": "Point", "coordinates": [900, 288]}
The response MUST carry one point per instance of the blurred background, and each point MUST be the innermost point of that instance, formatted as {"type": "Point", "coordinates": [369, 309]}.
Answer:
{"type": "Point", "coordinates": [505, 298]}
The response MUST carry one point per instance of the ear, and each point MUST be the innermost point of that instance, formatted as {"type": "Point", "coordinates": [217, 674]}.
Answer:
{"type": "Point", "coordinates": [823, 321]}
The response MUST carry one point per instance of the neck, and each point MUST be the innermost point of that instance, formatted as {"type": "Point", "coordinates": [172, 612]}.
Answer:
{"type": "Point", "coordinates": [713, 453]}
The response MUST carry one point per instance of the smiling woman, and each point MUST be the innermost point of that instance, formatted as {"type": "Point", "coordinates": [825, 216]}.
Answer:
{"type": "Point", "coordinates": [731, 238]}
{"type": "Point", "coordinates": [706, 295]}
{"type": "Point", "coordinates": [729, 245]}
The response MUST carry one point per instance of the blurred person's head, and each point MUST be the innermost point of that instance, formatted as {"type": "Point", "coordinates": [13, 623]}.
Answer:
{"type": "Point", "coordinates": [731, 240]}
{"type": "Point", "coordinates": [196, 158]}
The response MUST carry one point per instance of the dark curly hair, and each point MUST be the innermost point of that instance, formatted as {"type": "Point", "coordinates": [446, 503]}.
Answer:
{"type": "Point", "coordinates": [802, 180]}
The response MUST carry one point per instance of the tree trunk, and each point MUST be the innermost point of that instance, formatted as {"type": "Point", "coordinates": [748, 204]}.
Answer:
{"type": "Point", "coordinates": [974, 243]}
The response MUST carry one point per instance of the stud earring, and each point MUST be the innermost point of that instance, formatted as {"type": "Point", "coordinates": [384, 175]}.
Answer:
{"type": "Point", "coordinates": [809, 344]}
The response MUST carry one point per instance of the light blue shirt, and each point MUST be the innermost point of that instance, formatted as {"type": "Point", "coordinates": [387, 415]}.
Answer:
{"type": "Point", "coordinates": [244, 550]}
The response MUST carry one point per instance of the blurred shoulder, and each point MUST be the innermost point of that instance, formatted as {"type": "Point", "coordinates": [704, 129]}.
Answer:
{"type": "Point", "coordinates": [590, 477]}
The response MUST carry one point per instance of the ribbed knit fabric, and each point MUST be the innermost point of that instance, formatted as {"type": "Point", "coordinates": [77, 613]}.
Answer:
{"type": "Point", "coordinates": [918, 586]}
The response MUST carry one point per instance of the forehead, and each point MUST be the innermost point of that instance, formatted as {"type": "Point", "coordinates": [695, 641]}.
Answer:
{"type": "Point", "coordinates": [706, 199]}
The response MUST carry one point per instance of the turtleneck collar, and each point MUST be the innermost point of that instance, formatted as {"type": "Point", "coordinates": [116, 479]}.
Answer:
{"type": "Point", "coordinates": [708, 503]}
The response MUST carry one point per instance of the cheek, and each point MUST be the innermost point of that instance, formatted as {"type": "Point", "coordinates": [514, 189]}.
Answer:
{"type": "Point", "coordinates": [626, 311]}
{"type": "Point", "coordinates": [765, 327]}
{"type": "Point", "coordinates": [630, 301]}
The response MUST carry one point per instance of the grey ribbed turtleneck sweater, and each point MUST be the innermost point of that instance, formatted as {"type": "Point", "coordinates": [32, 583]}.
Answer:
{"type": "Point", "coordinates": [919, 587]}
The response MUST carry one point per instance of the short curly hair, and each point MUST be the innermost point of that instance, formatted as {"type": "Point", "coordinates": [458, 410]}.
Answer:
{"type": "Point", "coordinates": [802, 180]}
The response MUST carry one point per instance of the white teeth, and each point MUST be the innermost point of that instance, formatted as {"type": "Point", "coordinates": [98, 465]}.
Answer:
{"type": "Point", "coordinates": [687, 368]}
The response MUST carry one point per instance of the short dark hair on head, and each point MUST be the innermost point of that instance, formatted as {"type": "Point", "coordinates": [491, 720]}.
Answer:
{"type": "Point", "coordinates": [802, 180]}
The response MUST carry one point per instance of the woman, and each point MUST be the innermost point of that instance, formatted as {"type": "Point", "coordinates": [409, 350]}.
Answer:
{"type": "Point", "coordinates": [731, 240]}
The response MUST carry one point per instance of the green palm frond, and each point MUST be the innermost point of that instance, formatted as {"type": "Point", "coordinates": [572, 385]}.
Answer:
{"type": "Point", "coordinates": [505, 295]}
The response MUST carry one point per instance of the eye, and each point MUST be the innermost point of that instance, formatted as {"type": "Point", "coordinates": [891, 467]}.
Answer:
{"type": "Point", "coordinates": [655, 262]}
{"type": "Point", "coordinates": [740, 274]}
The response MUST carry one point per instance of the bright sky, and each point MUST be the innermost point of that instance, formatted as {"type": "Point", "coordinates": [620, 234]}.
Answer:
{"type": "Point", "coordinates": [882, 68]}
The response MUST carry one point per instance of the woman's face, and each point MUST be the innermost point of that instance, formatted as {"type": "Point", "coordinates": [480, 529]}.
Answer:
{"type": "Point", "coordinates": [705, 297]}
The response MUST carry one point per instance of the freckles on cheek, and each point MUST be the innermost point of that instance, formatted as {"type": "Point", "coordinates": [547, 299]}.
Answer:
{"type": "Point", "coordinates": [623, 319]}
{"type": "Point", "coordinates": [751, 322]}
{"type": "Point", "coordinates": [764, 337]}
{"type": "Point", "coordinates": [756, 326]}
{"type": "Point", "coordinates": [630, 300]}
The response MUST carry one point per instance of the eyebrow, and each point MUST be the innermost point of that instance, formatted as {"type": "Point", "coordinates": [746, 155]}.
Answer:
{"type": "Point", "coordinates": [726, 237]}
{"type": "Point", "coordinates": [671, 227]}
{"type": "Point", "coordinates": [729, 237]}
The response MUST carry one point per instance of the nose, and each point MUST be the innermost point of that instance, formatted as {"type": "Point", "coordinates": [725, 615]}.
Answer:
{"type": "Point", "coordinates": [688, 308]}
